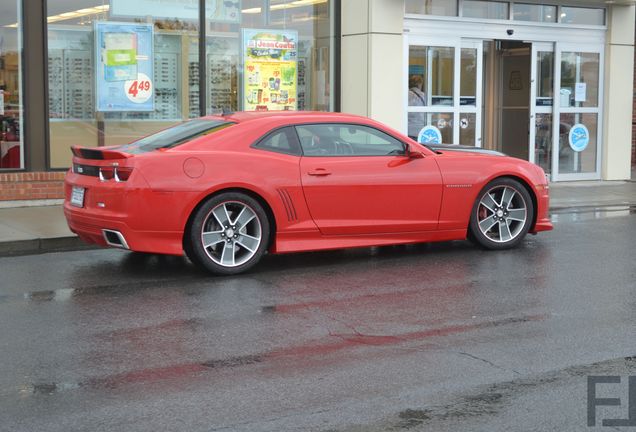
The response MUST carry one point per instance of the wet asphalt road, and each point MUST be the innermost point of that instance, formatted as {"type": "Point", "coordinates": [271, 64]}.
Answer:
{"type": "Point", "coordinates": [442, 337]}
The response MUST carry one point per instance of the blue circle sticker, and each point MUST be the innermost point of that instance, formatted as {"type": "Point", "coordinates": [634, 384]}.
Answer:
{"type": "Point", "coordinates": [579, 137]}
{"type": "Point", "coordinates": [429, 135]}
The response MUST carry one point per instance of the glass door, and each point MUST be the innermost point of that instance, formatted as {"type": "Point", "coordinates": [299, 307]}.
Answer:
{"type": "Point", "coordinates": [578, 106]}
{"type": "Point", "coordinates": [443, 95]}
{"type": "Point", "coordinates": [541, 105]}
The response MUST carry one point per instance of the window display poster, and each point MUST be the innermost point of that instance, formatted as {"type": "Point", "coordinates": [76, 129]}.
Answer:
{"type": "Point", "coordinates": [124, 67]}
{"type": "Point", "coordinates": [270, 60]}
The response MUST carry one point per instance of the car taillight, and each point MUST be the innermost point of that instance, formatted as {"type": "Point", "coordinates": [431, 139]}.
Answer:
{"type": "Point", "coordinates": [120, 174]}
{"type": "Point", "coordinates": [106, 173]}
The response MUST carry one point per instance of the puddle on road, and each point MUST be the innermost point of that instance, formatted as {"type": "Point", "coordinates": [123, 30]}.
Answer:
{"type": "Point", "coordinates": [233, 362]}
{"type": "Point", "coordinates": [46, 389]}
{"type": "Point", "coordinates": [140, 376]}
{"type": "Point", "coordinates": [44, 296]}
{"type": "Point", "coordinates": [579, 214]}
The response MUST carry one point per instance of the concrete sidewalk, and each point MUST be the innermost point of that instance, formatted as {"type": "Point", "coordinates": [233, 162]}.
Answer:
{"type": "Point", "coordinates": [31, 230]}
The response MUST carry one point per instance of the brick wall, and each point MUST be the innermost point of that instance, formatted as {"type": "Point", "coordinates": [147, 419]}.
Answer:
{"type": "Point", "coordinates": [31, 186]}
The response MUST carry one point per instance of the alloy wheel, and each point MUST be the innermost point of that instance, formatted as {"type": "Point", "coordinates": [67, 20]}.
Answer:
{"type": "Point", "coordinates": [502, 213]}
{"type": "Point", "coordinates": [231, 234]}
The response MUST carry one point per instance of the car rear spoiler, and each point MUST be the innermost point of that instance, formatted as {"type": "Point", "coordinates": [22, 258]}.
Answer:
{"type": "Point", "coordinates": [98, 154]}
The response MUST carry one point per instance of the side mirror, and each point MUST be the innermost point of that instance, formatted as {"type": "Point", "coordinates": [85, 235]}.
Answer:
{"type": "Point", "coordinates": [414, 153]}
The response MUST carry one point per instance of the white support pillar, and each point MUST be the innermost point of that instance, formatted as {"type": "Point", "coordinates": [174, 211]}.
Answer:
{"type": "Point", "coordinates": [372, 60]}
{"type": "Point", "coordinates": [619, 87]}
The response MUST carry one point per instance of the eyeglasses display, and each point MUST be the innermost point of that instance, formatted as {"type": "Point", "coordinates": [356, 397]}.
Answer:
{"type": "Point", "coordinates": [220, 83]}
{"type": "Point", "coordinates": [70, 84]}
{"type": "Point", "coordinates": [302, 94]}
{"type": "Point", "coordinates": [56, 84]}
{"type": "Point", "coordinates": [167, 95]}
{"type": "Point", "coordinates": [193, 86]}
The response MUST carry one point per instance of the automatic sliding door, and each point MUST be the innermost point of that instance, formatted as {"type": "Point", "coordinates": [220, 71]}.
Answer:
{"type": "Point", "coordinates": [444, 92]}
{"type": "Point", "coordinates": [580, 73]}
{"type": "Point", "coordinates": [431, 87]}
{"type": "Point", "coordinates": [542, 105]}
{"type": "Point", "coordinates": [469, 124]}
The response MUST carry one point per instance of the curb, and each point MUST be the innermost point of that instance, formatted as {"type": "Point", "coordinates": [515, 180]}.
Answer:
{"type": "Point", "coordinates": [43, 245]}
{"type": "Point", "coordinates": [591, 207]}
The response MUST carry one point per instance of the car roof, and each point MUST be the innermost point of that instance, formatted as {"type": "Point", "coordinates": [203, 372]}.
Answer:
{"type": "Point", "coordinates": [294, 116]}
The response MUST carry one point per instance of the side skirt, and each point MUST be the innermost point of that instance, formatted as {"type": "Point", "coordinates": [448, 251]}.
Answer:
{"type": "Point", "coordinates": [314, 241]}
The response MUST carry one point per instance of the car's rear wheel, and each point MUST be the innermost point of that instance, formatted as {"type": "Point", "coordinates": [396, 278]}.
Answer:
{"type": "Point", "coordinates": [501, 215]}
{"type": "Point", "coordinates": [228, 234]}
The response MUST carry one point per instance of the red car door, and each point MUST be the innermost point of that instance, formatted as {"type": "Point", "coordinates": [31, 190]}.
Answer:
{"type": "Point", "coordinates": [358, 180]}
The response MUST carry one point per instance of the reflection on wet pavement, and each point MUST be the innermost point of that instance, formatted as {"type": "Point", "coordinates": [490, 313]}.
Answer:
{"type": "Point", "coordinates": [575, 214]}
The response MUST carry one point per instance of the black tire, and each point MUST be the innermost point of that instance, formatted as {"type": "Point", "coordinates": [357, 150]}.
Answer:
{"type": "Point", "coordinates": [493, 210]}
{"type": "Point", "coordinates": [232, 248]}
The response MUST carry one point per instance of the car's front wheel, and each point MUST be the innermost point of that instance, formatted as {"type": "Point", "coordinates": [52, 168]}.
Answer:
{"type": "Point", "coordinates": [228, 234]}
{"type": "Point", "coordinates": [501, 215]}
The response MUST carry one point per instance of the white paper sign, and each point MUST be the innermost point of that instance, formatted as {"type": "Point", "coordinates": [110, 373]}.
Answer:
{"type": "Point", "coordinates": [580, 92]}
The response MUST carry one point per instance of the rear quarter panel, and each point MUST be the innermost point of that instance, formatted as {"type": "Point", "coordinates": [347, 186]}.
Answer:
{"type": "Point", "coordinates": [272, 176]}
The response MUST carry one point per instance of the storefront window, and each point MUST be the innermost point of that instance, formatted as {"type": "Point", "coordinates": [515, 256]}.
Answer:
{"type": "Point", "coordinates": [269, 55]}
{"type": "Point", "coordinates": [533, 12]}
{"type": "Point", "coordinates": [544, 100]}
{"type": "Point", "coordinates": [545, 73]}
{"type": "Point", "coordinates": [579, 79]}
{"type": "Point", "coordinates": [580, 112]}
{"type": "Point", "coordinates": [431, 72]}
{"type": "Point", "coordinates": [439, 130]}
{"type": "Point", "coordinates": [468, 77]}
{"type": "Point", "coordinates": [436, 114]}
{"type": "Point", "coordinates": [578, 15]}
{"type": "Point", "coordinates": [543, 141]}
{"type": "Point", "coordinates": [467, 123]}
{"type": "Point", "coordinates": [11, 141]}
{"type": "Point", "coordinates": [577, 143]}
{"type": "Point", "coordinates": [485, 9]}
{"type": "Point", "coordinates": [432, 7]}
{"type": "Point", "coordinates": [121, 69]}
{"type": "Point", "coordinates": [116, 74]}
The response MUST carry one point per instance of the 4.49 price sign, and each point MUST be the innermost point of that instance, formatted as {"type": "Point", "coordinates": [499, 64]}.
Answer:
{"type": "Point", "coordinates": [139, 90]}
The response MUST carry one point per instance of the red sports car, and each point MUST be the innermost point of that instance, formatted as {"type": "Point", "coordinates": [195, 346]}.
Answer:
{"type": "Point", "coordinates": [226, 189]}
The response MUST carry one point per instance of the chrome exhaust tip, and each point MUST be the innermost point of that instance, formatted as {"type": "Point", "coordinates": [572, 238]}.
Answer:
{"type": "Point", "coordinates": [115, 239]}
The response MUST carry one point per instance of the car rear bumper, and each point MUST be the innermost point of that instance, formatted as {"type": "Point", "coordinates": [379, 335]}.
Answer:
{"type": "Point", "coordinates": [145, 220]}
{"type": "Point", "coordinates": [90, 228]}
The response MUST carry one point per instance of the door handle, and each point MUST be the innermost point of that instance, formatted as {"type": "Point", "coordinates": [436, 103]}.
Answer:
{"type": "Point", "coordinates": [319, 172]}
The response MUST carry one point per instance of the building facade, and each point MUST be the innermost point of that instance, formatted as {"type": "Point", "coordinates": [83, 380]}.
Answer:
{"type": "Point", "coordinates": [550, 82]}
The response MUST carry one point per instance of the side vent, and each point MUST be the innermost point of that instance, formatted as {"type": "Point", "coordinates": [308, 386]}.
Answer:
{"type": "Point", "coordinates": [288, 203]}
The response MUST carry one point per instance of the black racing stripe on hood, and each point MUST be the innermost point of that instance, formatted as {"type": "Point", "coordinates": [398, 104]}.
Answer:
{"type": "Point", "coordinates": [463, 148]}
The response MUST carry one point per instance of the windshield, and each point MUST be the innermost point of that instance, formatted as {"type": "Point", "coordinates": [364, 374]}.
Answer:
{"type": "Point", "coordinates": [175, 135]}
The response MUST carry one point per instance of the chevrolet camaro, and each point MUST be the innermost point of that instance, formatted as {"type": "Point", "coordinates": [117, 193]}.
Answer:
{"type": "Point", "coordinates": [227, 189]}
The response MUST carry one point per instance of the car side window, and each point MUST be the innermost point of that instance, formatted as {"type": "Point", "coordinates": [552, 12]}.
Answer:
{"type": "Point", "coordinates": [347, 140]}
{"type": "Point", "coordinates": [280, 141]}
